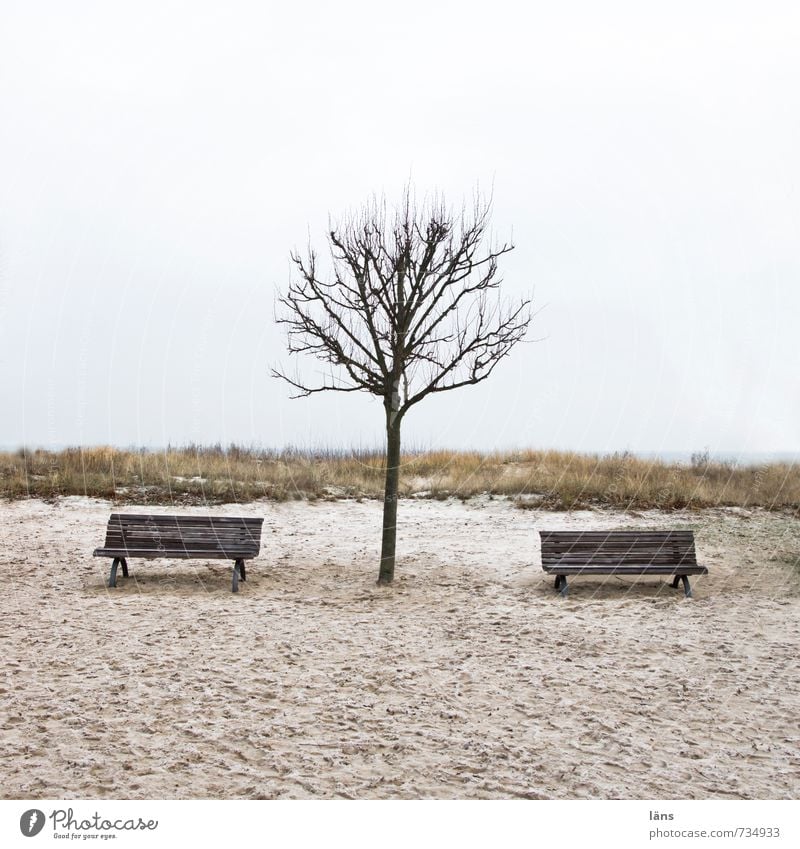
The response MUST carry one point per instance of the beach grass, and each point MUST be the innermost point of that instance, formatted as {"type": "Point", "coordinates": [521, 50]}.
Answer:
{"type": "Point", "coordinates": [196, 474]}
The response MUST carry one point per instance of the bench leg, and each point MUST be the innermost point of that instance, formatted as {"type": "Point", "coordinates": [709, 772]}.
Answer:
{"type": "Point", "coordinates": [561, 585]}
{"type": "Point", "coordinates": [124, 563]}
{"type": "Point", "coordinates": [687, 589]}
{"type": "Point", "coordinates": [112, 578]}
{"type": "Point", "coordinates": [242, 571]}
{"type": "Point", "coordinates": [235, 577]}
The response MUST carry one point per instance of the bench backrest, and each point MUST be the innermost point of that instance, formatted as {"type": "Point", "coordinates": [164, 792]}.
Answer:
{"type": "Point", "coordinates": [230, 536]}
{"type": "Point", "coordinates": [618, 548]}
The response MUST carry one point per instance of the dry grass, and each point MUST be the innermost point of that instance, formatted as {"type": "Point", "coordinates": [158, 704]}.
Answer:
{"type": "Point", "coordinates": [548, 479]}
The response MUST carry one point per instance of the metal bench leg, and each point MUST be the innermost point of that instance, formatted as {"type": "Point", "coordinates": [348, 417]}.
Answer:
{"type": "Point", "coordinates": [561, 585]}
{"type": "Point", "coordinates": [675, 582]}
{"type": "Point", "coordinates": [235, 577]}
{"type": "Point", "coordinates": [686, 586]}
{"type": "Point", "coordinates": [124, 563]}
{"type": "Point", "coordinates": [112, 578]}
{"type": "Point", "coordinates": [242, 572]}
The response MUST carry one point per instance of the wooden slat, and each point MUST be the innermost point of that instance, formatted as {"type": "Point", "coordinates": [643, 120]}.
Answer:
{"type": "Point", "coordinates": [183, 520]}
{"type": "Point", "coordinates": [622, 552]}
{"type": "Point", "coordinates": [621, 534]}
{"type": "Point", "coordinates": [614, 543]}
{"type": "Point", "coordinates": [633, 557]}
{"type": "Point", "coordinates": [610, 534]}
{"type": "Point", "coordinates": [180, 537]}
{"type": "Point", "coordinates": [601, 546]}
{"type": "Point", "coordinates": [643, 569]}
{"type": "Point", "coordinates": [188, 527]}
{"type": "Point", "coordinates": [200, 554]}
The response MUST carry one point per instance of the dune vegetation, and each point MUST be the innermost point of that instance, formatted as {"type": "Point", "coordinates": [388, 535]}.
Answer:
{"type": "Point", "coordinates": [543, 479]}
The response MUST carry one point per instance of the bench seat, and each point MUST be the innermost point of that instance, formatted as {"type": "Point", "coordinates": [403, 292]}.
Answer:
{"type": "Point", "coordinates": [620, 553]}
{"type": "Point", "coordinates": [181, 537]}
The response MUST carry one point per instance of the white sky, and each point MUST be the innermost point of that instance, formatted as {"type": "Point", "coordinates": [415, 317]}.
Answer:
{"type": "Point", "coordinates": [158, 161]}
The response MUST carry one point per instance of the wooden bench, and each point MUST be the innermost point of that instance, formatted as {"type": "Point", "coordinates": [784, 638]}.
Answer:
{"type": "Point", "coordinates": [620, 553]}
{"type": "Point", "coordinates": [202, 537]}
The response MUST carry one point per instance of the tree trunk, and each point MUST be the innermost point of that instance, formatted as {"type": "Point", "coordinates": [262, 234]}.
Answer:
{"type": "Point", "coordinates": [386, 574]}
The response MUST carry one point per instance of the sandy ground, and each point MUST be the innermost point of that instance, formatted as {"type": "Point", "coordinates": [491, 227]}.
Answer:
{"type": "Point", "coordinates": [469, 678]}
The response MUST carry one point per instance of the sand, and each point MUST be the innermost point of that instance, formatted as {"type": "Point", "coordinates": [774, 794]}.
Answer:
{"type": "Point", "coordinates": [468, 678]}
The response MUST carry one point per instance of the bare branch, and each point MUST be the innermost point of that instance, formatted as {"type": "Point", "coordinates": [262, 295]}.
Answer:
{"type": "Point", "coordinates": [409, 307]}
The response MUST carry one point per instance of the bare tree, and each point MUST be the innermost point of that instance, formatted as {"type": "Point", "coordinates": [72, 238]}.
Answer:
{"type": "Point", "coordinates": [411, 308]}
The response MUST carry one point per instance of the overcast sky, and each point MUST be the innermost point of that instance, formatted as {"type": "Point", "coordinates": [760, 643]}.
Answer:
{"type": "Point", "coordinates": [158, 162]}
